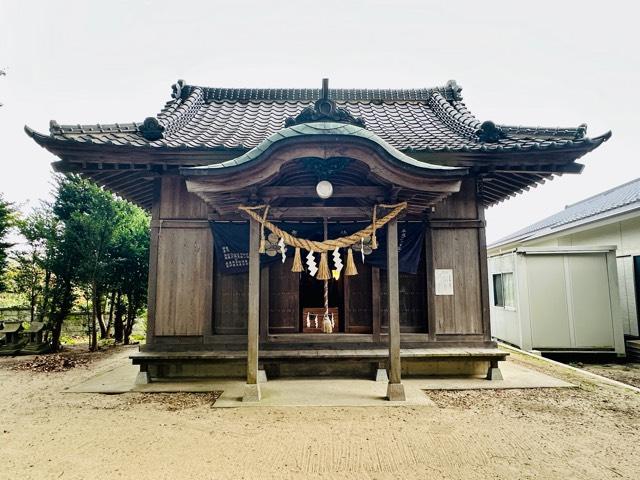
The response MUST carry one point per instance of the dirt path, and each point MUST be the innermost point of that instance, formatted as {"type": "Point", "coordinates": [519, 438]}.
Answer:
{"type": "Point", "coordinates": [590, 432]}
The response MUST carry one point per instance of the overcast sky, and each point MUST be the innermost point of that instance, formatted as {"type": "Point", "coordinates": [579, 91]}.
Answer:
{"type": "Point", "coordinates": [549, 63]}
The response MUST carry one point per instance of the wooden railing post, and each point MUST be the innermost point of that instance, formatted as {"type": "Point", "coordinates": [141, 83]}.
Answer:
{"type": "Point", "coordinates": [252, 388]}
{"type": "Point", "coordinates": [395, 389]}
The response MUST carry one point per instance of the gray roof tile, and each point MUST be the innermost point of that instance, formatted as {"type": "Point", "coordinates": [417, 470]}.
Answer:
{"type": "Point", "coordinates": [430, 119]}
{"type": "Point", "coordinates": [609, 201]}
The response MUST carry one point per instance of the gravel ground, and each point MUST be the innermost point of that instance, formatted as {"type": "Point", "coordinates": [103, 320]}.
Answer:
{"type": "Point", "coordinates": [628, 373]}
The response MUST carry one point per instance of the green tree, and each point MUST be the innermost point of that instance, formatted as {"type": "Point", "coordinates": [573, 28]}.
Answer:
{"type": "Point", "coordinates": [91, 215]}
{"type": "Point", "coordinates": [87, 241]}
{"type": "Point", "coordinates": [130, 268]}
{"type": "Point", "coordinates": [28, 279]}
{"type": "Point", "coordinates": [7, 220]}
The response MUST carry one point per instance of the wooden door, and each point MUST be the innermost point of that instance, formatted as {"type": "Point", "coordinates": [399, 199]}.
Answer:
{"type": "Point", "coordinates": [413, 295]}
{"type": "Point", "coordinates": [284, 301]}
{"type": "Point", "coordinates": [230, 303]}
{"type": "Point", "coordinates": [358, 301]}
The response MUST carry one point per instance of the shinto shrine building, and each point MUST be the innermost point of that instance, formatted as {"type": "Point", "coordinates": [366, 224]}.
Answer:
{"type": "Point", "coordinates": [317, 231]}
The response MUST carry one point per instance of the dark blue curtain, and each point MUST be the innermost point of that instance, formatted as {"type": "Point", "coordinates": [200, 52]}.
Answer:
{"type": "Point", "coordinates": [231, 241]}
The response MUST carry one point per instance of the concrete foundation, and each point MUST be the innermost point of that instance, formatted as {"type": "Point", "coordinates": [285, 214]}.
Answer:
{"type": "Point", "coordinates": [381, 375]}
{"type": "Point", "coordinates": [494, 374]}
{"type": "Point", "coordinates": [251, 393]}
{"type": "Point", "coordinates": [395, 392]}
{"type": "Point", "coordinates": [142, 378]}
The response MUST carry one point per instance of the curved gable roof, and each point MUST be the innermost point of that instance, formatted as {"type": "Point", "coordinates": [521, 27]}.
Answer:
{"type": "Point", "coordinates": [318, 130]}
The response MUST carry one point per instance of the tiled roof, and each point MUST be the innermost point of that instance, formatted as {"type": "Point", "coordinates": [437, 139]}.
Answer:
{"type": "Point", "coordinates": [207, 126]}
{"type": "Point", "coordinates": [602, 203]}
{"type": "Point", "coordinates": [433, 119]}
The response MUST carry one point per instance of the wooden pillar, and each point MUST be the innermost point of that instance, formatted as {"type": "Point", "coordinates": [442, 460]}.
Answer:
{"type": "Point", "coordinates": [252, 388]}
{"type": "Point", "coordinates": [395, 389]}
{"type": "Point", "coordinates": [153, 262]}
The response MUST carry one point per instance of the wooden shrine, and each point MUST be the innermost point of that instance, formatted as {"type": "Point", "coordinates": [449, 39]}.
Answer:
{"type": "Point", "coordinates": [274, 210]}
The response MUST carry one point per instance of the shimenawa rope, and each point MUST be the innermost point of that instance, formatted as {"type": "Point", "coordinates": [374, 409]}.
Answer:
{"type": "Point", "coordinates": [331, 244]}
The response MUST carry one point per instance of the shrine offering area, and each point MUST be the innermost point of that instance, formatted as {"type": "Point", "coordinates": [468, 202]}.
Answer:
{"type": "Point", "coordinates": [586, 432]}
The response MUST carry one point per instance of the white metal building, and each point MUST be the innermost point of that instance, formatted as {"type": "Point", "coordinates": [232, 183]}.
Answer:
{"type": "Point", "coordinates": [611, 218]}
{"type": "Point", "coordinates": [557, 299]}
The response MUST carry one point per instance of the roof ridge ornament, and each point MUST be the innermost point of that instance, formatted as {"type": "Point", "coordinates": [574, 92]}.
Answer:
{"type": "Point", "coordinates": [177, 89]}
{"type": "Point", "coordinates": [324, 110]}
{"type": "Point", "coordinates": [490, 132]}
{"type": "Point", "coordinates": [454, 89]}
{"type": "Point", "coordinates": [54, 127]}
{"type": "Point", "coordinates": [151, 129]}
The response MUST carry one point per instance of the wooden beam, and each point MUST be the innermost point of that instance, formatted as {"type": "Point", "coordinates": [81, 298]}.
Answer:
{"type": "Point", "coordinates": [102, 175]}
{"type": "Point", "coordinates": [252, 388]}
{"type": "Point", "coordinates": [395, 389]}
{"type": "Point", "coordinates": [134, 191]}
{"type": "Point", "coordinates": [510, 184]}
{"type": "Point", "coordinates": [130, 178]}
{"type": "Point", "coordinates": [339, 191]}
{"type": "Point", "coordinates": [143, 200]}
{"type": "Point", "coordinates": [347, 191]}
{"type": "Point", "coordinates": [320, 212]}
{"type": "Point", "coordinates": [456, 223]}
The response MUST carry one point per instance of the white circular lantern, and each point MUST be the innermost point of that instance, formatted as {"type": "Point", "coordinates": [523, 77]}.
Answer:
{"type": "Point", "coordinates": [324, 189]}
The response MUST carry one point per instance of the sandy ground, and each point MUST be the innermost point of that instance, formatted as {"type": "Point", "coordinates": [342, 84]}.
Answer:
{"type": "Point", "coordinates": [592, 431]}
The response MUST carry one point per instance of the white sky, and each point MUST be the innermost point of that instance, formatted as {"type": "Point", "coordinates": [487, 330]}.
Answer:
{"type": "Point", "coordinates": [550, 63]}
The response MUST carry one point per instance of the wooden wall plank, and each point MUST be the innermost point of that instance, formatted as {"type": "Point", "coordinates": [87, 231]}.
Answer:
{"type": "Point", "coordinates": [460, 313]}
{"type": "Point", "coordinates": [284, 298]}
{"type": "Point", "coordinates": [461, 205]}
{"type": "Point", "coordinates": [177, 202]}
{"type": "Point", "coordinates": [184, 281]}
{"type": "Point", "coordinates": [231, 297]}
{"type": "Point", "coordinates": [358, 301]}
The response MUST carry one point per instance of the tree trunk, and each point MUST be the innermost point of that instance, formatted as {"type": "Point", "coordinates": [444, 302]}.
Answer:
{"type": "Point", "coordinates": [118, 325]}
{"type": "Point", "coordinates": [93, 333]}
{"type": "Point", "coordinates": [59, 316]}
{"type": "Point", "coordinates": [32, 306]}
{"type": "Point", "coordinates": [46, 292]}
{"type": "Point", "coordinates": [97, 308]}
{"type": "Point", "coordinates": [111, 301]}
{"type": "Point", "coordinates": [131, 318]}
{"type": "Point", "coordinates": [56, 328]}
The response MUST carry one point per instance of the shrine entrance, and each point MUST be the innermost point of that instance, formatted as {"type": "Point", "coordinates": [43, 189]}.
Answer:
{"type": "Point", "coordinates": [317, 195]}
{"type": "Point", "coordinates": [296, 300]}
